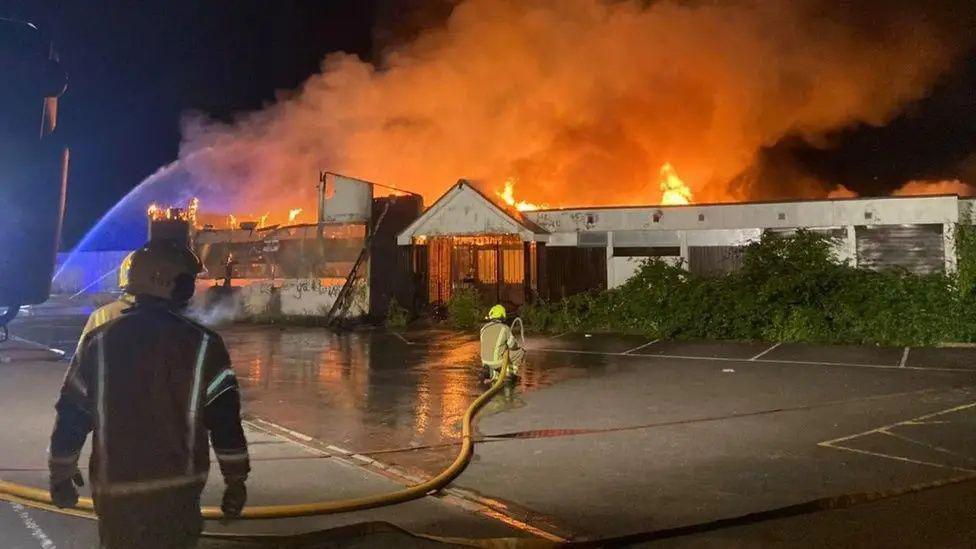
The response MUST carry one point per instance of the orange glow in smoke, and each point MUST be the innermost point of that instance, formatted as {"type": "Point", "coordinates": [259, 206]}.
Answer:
{"type": "Point", "coordinates": [674, 191]}
{"type": "Point", "coordinates": [508, 195]}
{"type": "Point", "coordinates": [579, 101]}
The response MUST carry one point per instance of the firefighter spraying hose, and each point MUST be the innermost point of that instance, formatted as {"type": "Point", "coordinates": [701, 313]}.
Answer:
{"type": "Point", "coordinates": [39, 498]}
{"type": "Point", "coordinates": [34, 169]}
{"type": "Point", "coordinates": [499, 345]}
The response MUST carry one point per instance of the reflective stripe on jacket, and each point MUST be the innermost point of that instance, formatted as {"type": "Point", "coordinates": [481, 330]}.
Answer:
{"type": "Point", "coordinates": [496, 338]}
{"type": "Point", "coordinates": [152, 385]}
{"type": "Point", "coordinates": [104, 315]}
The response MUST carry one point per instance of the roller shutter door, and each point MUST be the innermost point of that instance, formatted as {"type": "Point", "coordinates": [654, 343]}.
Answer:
{"type": "Point", "coordinates": [917, 248]}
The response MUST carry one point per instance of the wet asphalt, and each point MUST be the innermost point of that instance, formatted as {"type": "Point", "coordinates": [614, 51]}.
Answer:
{"type": "Point", "coordinates": [615, 435]}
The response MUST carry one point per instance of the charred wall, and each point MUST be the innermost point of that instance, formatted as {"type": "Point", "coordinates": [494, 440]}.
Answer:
{"type": "Point", "coordinates": [391, 272]}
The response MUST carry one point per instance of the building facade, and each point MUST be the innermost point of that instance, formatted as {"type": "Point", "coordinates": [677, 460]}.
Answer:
{"type": "Point", "coordinates": [469, 239]}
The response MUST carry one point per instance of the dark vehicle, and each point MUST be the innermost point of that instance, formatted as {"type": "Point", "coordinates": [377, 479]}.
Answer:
{"type": "Point", "coordinates": [33, 166]}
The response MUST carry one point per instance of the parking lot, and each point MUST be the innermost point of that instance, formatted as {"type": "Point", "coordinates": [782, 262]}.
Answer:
{"type": "Point", "coordinates": [611, 436]}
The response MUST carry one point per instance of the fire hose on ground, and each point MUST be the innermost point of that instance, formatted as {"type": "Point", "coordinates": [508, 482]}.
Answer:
{"type": "Point", "coordinates": [38, 498]}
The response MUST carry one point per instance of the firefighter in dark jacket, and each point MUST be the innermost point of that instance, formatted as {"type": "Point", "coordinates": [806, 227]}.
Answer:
{"type": "Point", "coordinates": [152, 385]}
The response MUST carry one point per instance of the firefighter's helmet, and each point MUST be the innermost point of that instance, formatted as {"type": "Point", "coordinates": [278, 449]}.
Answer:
{"type": "Point", "coordinates": [166, 270]}
{"type": "Point", "coordinates": [497, 313]}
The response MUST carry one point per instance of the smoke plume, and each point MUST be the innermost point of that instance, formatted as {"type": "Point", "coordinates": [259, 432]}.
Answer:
{"type": "Point", "coordinates": [583, 101]}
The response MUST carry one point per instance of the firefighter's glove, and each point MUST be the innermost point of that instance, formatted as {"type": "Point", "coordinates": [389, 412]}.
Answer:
{"type": "Point", "coordinates": [235, 496]}
{"type": "Point", "coordinates": [64, 491]}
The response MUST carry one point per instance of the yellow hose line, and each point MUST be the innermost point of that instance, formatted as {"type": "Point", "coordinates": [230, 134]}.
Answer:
{"type": "Point", "coordinates": [35, 497]}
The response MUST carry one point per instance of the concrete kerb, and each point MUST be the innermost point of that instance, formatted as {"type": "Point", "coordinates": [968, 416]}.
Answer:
{"type": "Point", "coordinates": [458, 497]}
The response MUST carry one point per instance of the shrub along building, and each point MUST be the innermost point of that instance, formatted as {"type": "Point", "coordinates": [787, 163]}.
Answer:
{"type": "Point", "coordinates": [468, 239]}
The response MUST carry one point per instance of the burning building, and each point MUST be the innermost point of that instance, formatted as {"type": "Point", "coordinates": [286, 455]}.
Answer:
{"type": "Point", "coordinates": [469, 238]}
{"type": "Point", "coordinates": [345, 264]}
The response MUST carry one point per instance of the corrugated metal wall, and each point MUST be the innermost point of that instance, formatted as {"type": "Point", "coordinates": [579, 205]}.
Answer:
{"type": "Point", "coordinates": [917, 248]}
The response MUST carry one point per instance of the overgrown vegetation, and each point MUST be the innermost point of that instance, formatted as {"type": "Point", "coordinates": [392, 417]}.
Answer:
{"type": "Point", "coordinates": [465, 309]}
{"type": "Point", "coordinates": [789, 288]}
{"type": "Point", "coordinates": [397, 316]}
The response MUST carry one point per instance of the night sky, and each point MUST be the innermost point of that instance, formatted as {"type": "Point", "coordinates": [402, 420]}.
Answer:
{"type": "Point", "coordinates": [135, 67]}
{"type": "Point", "coordinates": [933, 138]}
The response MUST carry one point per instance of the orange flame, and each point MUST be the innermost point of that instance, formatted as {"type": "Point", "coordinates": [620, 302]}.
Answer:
{"type": "Point", "coordinates": [508, 195]}
{"type": "Point", "coordinates": [674, 191]}
{"type": "Point", "coordinates": [157, 212]}
{"type": "Point", "coordinates": [294, 213]}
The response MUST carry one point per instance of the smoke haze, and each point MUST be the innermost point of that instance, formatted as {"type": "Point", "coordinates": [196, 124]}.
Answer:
{"type": "Point", "coordinates": [583, 101]}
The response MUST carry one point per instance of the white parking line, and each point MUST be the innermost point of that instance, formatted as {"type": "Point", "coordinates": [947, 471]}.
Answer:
{"type": "Point", "coordinates": [913, 420]}
{"type": "Point", "coordinates": [762, 354]}
{"type": "Point", "coordinates": [886, 430]}
{"type": "Point", "coordinates": [917, 442]}
{"type": "Point", "coordinates": [32, 526]}
{"type": "Point", "coordinates": [896, 458]}
{"type": "Point", "coordinates": [639, 347]}
{"type": "Point", "coordinates": [904, 358]}
{"type": "Point", "coordinates": [58, 352]}
{"type": "Point", "coordinates": [758, 360]}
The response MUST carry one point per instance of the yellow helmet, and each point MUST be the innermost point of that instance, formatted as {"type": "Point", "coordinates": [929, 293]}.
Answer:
{"type": "Point", "coordinates": [163, 269]}
{"type": "Point", "coordinates": [124, 269]}
{"type": "Point", "coordinates": [497, 313]}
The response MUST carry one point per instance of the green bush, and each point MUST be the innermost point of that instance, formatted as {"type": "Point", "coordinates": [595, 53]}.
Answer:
{"type": "Point", "coordinates": [789, 288]}
{"type": "Point", "coordinates": [465, 309]}
{"type": "Point", "coordinates": [397, 316]}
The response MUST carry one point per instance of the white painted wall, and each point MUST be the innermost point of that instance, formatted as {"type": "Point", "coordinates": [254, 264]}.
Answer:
{"type": "Point", "coordinates": [563, 239]}
{"type": "Point", "coordinates": [949, 247]}
{"type": "Point", "coordinates": [820, 213]}
{"type": "Point", "coordinates": [348, 200]}
{"type": "Point", "coordinates": [723, 237]}
{"type": "Point", "coordinates": [462, 211]}
{"type": "Point", "coordinates": [626, 267]}
{"type": "Point", "coordinates": [623, 269]}
{"type": "Point", "coordinates": [312, 298]}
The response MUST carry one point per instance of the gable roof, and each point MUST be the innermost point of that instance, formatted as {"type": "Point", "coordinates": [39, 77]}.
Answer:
{"type": "Point", "coordinates": [464, 211]}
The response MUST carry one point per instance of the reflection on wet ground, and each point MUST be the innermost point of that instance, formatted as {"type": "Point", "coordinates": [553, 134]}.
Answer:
{"type": "Point", "coordinates": [374, 391]}
{"type": "Point", "coordinates": [367, 391]}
